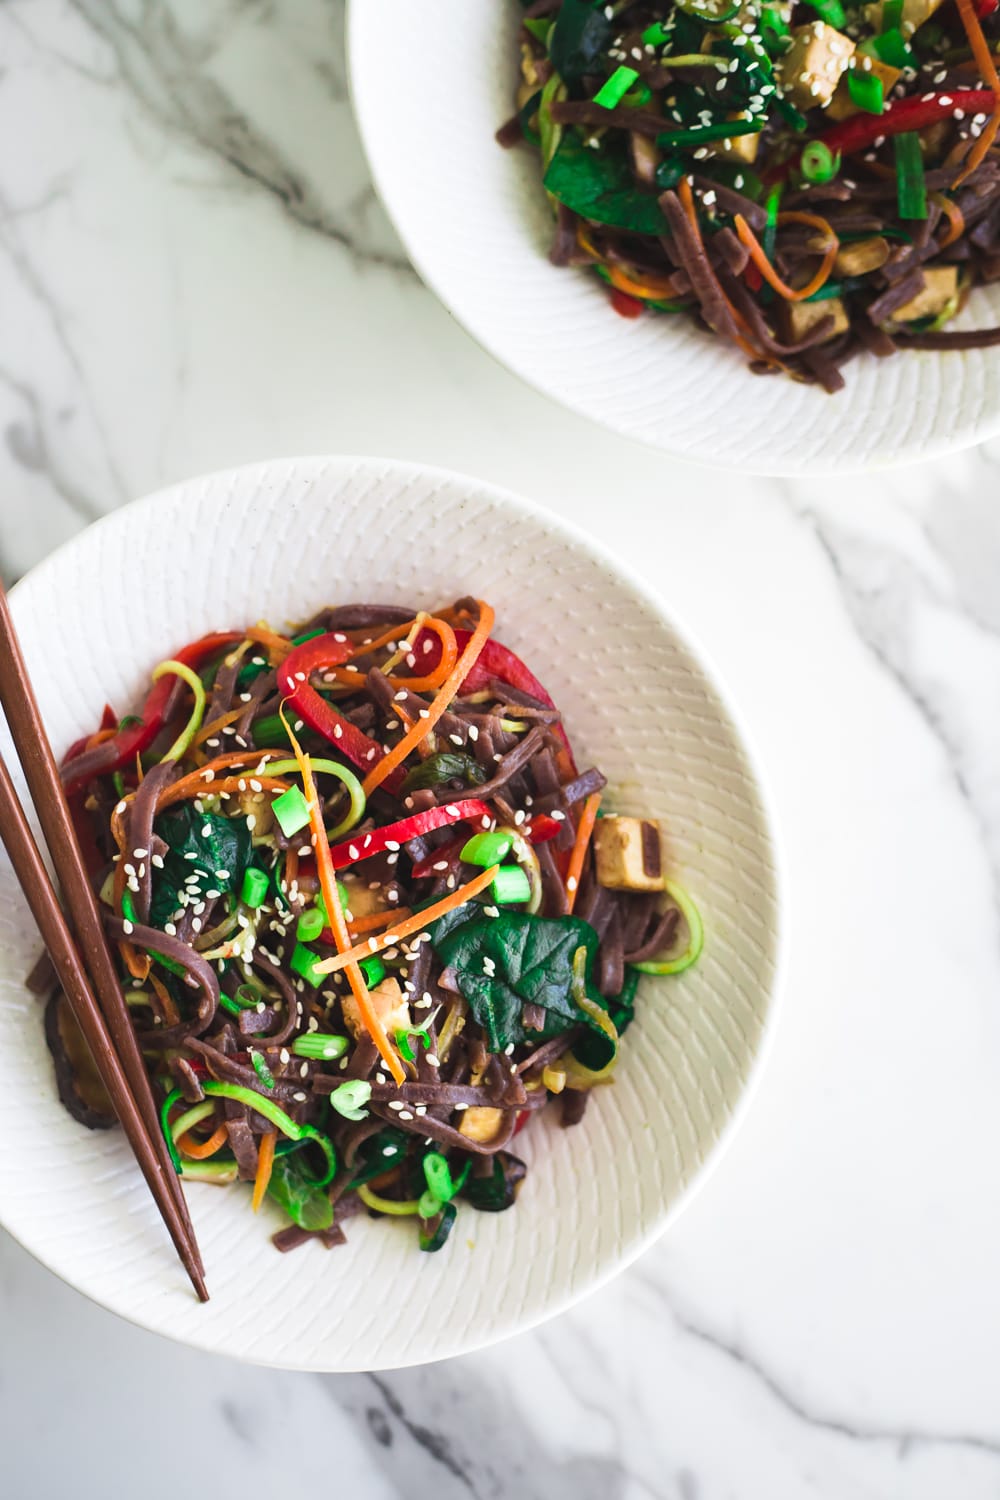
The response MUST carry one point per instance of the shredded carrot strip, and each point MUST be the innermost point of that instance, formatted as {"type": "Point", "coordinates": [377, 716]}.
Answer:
{"type": "Point", "coordinates": [980, 48]}
{"type": "Point", "coordinates": [955, 217]}
{"type": "Point", "coordinates": [170, 1012]}
{"type": "Point", "coordinates": [265, 1164]}
{"type": "Point", "coordinates": [203, 783]}
{"type": "Point", "coordinates": [770, 275]}
{"type": "Point", "coordinates": [100, 736]}
{"type": "Point", "coordinates": [377, 920]}
{"type": "Point", "coordinates": [650, 287]}
{"type": "Point", "coordinates": [423, 726]}
{"type": "Point", "coordinates": [335, 915]}
{"type": "Point", "coordinates": [584, 830]}
{"type": "Point", "coordinates": [277, 646]}
{"type": "Point", "coordinates": [200, 1150]}
{"type": "Point", "coordinates": [415, 923]}
{"type": "Point", "coordinates": [449, 656]}
{"type": "Point", "coordinates": [207, 730]}
{"type": "Point", "coordinates": [194, 786]}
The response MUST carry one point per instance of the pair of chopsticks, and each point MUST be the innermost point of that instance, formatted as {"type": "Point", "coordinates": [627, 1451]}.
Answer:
{"type": "Point", "coordinates": [78, 949]}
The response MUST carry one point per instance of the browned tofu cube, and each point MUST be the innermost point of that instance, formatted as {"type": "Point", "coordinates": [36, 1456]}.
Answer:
{"type": "Point", "coordinates": [802, 317]}
{"type": "Point", "coordinates": [811, 68]}
{"type": "Point", "coordinates": [842, 105]}
{"type": "Point", "coordinates": [481, 1123]}
{"type": "Point", "coordinates": [362, 901]}
{"type": "Point", "coordinates": [940, 286]}
{"type": "Point", "coordinates": [389, 1004]}
{"type": "Point", "coordinates": [628, 855]}
{"type": "Point", "coordinates": [862, 256]}
{"type": "Point", "coordinates": [915, 13]}
{"type": "Point", "coordinates": [739, 148]}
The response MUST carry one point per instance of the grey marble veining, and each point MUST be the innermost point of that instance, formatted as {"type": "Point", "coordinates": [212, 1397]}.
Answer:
{"type": "Point", "coordinates": [194, 272]}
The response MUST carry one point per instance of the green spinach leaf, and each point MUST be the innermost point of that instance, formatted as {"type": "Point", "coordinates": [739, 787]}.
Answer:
{"type": "Point", "coordinates": [594, 1051]}
{"type": "Point", "coordinates": [600, 187]}
{"type": "Point", "coordinates": [506, 962]}
{"type": "Point", "coordinates": [295, 1190]}
{"type": "Point", "coordinates": [446, 765]}
{"type": "Point", "coordinates": [214, 848]}
{"type": "Point", "coordinates": [582, 33]}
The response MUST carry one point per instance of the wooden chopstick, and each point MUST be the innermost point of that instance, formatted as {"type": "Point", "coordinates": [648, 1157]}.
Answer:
{"type": "Point", "coordinates": [41, 897]}
{"type": "Point", "coordinates": [38, 762]}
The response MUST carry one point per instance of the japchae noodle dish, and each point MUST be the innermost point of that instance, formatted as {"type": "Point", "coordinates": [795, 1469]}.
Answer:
{"type": "Point", "coordinates": [808, 179]}
{"type": "Point", "coordinates": [370, 914]}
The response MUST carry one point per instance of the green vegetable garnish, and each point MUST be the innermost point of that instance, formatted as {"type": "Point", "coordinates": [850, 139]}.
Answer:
{"type": "Point", "coordinates": [579, 38]}
{"type": "Point", "coordinates": [351, 1097]}
{"type": "Point", "coordinates": [830, 11]}
{"type": "Point", "coordinates": [291, 811]}
{"type": "Point", "coordinates": [304, 962]}
{"type": "Point", "coordinates": [433, 1240]}
{"type": "Point", "coordinates": [818, 164]}
{"type": "Point", "coordinates": [445, 765]}
{"type": "Point", "coordinates": [510, 886]}
{"type": "Point", "coordinates": [310, 925]}
{"type": "Point", "coordinates": [911, 186]}
{"type": "Point", "coordinates": [866, 90]}
{"type": "Point", "coordinates": [303, 1200]}
{"type": "Point", "coordinates": [613, 90]}
{"type": "Point", "coordinates": [373, 969]}
{"type": "Point", "coordinates": [255, 887]}
{"type": "Point", "coordinates": [263, 1106]}
{"type": "Point", "coordinates": [213, 848]}
{"type": "Point", "coordinates": [262, 1070]}
{"type": "Point", "coordinates": [323, 1046]}
{"type": "Point", "coordinates": [486, 849]}
{"type": "Point", "coordinates": [696, 936]}
{"type": "Point", "coordinates": [599, 185]}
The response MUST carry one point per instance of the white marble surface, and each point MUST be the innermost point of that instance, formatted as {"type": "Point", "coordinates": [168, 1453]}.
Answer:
{"type": "Point", "coordinates": [193, 273]}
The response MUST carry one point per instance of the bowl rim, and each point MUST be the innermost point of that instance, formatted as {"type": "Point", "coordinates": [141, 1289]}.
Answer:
{"type": "Point", "coordinates": [956, 440]}
{"type": "Point", "coordinates": [690, 641]}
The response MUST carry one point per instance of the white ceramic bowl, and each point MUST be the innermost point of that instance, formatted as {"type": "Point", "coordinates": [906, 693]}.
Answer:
{"type": "Point", "coordinates": [431, 83]}
{"type": "Point", "coordinates": [277, 540]}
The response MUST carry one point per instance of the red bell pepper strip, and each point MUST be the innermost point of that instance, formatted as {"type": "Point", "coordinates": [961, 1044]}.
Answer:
{"type": "Point", "coordinates": [447, 855]}
{"type": "Point", "coordinates": [541, 828]}
{"type": "Point", "coordinates": [861, 130]}
{"type": "Point", "coordinates": [293, 680]}
{"type": "Point", "coordinates": [986, 8]}
{"type": "Point", "coordinates": [119, 752]}
{"type": "Point", "coordinates": [364, 845]}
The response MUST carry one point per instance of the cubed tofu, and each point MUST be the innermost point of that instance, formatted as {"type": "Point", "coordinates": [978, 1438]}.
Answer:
{"type": "Point", "coordinates": [481, 1123]}
{"type": "Point", "coordinates": [802, 317]}
{"type": "Point", "coordinates": [628, 855]}
{"type": "Point", "coordinates": [940, 285]}
{"type": "Point", "coordinates": [362, 901]}
{"type": "Point", "coordinates": [915, 13]}
{"type": "Point", "coordinates": [842, 105]}
{"type": "Point", "coordinates": [740, 148]}
{"type": "Point", "coordinates": [389, 1004]}
{"type": "Point", "coordinates": [861, 257]}
{"type": "Point", "coordinates": [810, 70]}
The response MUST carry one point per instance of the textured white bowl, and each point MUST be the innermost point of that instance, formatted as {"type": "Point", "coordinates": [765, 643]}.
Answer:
{"type": "Point", "coordinates": [431, 83]}
{"type": "Point", "coordinates": [277, 541]}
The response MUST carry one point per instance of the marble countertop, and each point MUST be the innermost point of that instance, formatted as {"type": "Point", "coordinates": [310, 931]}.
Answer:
{"type": "Point", "coordinates": [194, 272]}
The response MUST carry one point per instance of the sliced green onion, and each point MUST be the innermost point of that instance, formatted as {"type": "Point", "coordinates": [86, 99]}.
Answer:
{"type": "Point", "coordinates": [510, 885]}
{"type": "Point", "coordinates": [614, 88]}
{"type": "Point", "coordinates": [194, 682]}
{"type": "Point", "coordinates": [262, 1070]}
{"type": "Point", "coordinates": [322, 1046]}
{"type": "Point", "coordinates": [291, 810]}
{"type": "Point", "coordinates": [437, 1174]}
{"type": "Point", "coordinates": [654, 36]}
{"type": "Point", "coordinates": [911, 186]}
{"type": "Point", "coordinates": [892, 14]}
{"type": "Point", "coordinates": [355, 812]}
{"type": "Point", "coordinates": [538, 27]}
{"type": "Point", "coordinates": [818, 164]}
{"type": "Point", "coordinates": [428, 1207]}
{"type": "Point", "coordinates": [404, 1034]}
{"type": "Point", "coordinates": [487, 849]}
{"type": "Point", "coordinates": [696, 936]}
{"type": "Point", "coordinates": [867, 91]}
{"type": "Point", "coordinates": [253, 892]}
{"type": "Point", "coordinates": [373, 969]}
{"type": "Point", "coordinates": [310, 925]}
{"type": "Point", "coordinates": [351, 1097]}
{"type": "Point", "coordinates": [830, 11]}
{"type": "Point", "coordinates": [637, 97]}
{"type": "Point", "coordinates": [304, 961]}
{"type": "Point", "coordinates": [718, 130]}
{"type": "Point", "coordinates": [437, 1237]}
{"type": "Point", "coordinates": [272, 1112]}
{"type": "Point", "coordinates": [891, 48]}
{"type": "Point", "coordinates": [387, 1205]}
{"type": "Point", "coordinates": [774, 21]}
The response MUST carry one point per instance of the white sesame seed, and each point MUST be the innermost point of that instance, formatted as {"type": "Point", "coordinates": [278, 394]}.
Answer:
{"type": "Point", "coordinates": [127, 927]}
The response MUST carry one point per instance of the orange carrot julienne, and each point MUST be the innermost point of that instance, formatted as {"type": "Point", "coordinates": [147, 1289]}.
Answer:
{"type": "Point", "coordinates": [955, 217]}
{"type": "Point", "coordinates": [743, 339]}
{"type": "Point", "coordinates": [980, 149]}
{"type": "Point", "coordinates": [265, 1165]}
{"type": "Point", "coordinates": [416, 923]}
{"type": "Point", "coordinates": [764, 266]}
{"type": "Point", "coordinates": [201, 1150]}
{"type": "Point", "coordinates": [277, 646]}
{"type": "Point", "coordinates": [449, 655]}
{"type": "Point", "coordinates": [207, 730]}
{"type": "Point", "coordinates": [335, 915]}
{"type": "Point", "coordinates": [584, 830]}
{"type": "Point", "coordinates": [377, 919]}
{"type": "Point", "coordinates": [423, 725]}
